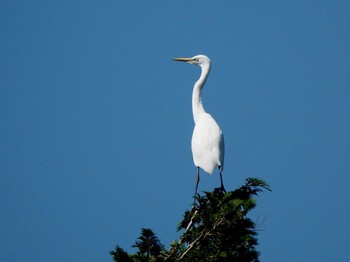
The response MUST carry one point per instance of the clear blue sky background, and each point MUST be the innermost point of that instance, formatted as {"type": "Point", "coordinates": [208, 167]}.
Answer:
{"type": "Point", "coordinates": [96, 122]}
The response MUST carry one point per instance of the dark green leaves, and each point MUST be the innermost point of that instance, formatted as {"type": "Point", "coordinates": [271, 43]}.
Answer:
{"type": "Point", "coordinates": [216, 229]}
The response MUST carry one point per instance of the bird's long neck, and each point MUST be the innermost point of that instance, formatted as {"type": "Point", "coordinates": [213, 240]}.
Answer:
{"type": "Point", "coordinates": [197, 105]}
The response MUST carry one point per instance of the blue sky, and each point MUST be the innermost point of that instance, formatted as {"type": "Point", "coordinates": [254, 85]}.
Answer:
{"type": "Point", "coordinates": [96, 122]}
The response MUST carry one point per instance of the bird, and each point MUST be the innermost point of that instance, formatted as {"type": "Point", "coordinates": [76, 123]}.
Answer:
{"type": "Point", "coordinates": [208, 147]}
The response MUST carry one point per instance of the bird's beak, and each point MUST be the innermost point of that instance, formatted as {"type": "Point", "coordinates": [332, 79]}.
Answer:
{"type": "Point", "coordinates": [182, 59]}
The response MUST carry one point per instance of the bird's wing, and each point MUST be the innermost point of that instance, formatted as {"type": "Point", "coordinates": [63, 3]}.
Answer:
{"type": "Point", "coordinates": [207, 144]}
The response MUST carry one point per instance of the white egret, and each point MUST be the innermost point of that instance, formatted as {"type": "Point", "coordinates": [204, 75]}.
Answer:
{"type": "Point", "coordinates": [207, 144]}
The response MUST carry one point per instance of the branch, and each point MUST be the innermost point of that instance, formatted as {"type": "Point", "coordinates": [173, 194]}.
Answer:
{"type": "Point", "coordinates": [184, 233]}
{"type": "Point", "coordinates": [188, 226]}
{"type": "Point", "coordinates": [190, 246]}
{"type": "Point", "coordinates": [203, 234]}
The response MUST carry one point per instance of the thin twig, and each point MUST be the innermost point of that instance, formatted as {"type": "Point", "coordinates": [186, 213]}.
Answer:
{"type": "Point", "coordinates": [184, 233]}
{"type": "Point", "coordinates": [188, 226]}
{"type": "Point", "coordinates": [203, 234]}
{"type": "Point", "coordinates": [190, 246]}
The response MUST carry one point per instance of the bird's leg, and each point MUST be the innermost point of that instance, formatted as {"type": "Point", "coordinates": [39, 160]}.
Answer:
{"type": "Point", "coordinates": [222, 184]}
{"type": "Point", "coordinates": [195, 191]}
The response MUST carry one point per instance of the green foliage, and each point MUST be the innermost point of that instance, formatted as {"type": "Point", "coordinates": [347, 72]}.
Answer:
{"type": "Point", "coordinates": [215, 229]}
{"type": "Point", "coordinates": [119, 255]}
{"type": "Point", "coordinates": [148, 246]}
{"type": "Point", "coordinates": [149, 249]}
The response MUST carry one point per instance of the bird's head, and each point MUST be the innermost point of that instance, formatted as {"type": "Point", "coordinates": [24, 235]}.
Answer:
{"type": "Point", "coordinates": [200, 60]}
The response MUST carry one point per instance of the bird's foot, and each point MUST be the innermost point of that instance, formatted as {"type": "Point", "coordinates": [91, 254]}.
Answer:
{"type": "Point", "coordinates": [222, 188]}
{"type": "Point", "coordinates": [194, 205]}
{"type": "Point", "coordinates": [220, 193]}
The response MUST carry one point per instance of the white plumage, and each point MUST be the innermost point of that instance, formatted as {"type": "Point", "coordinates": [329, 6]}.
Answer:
{"type": "Point", "coordinates": [208, 148]}
{"type": "Point", "coordinates": [207, 144]}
